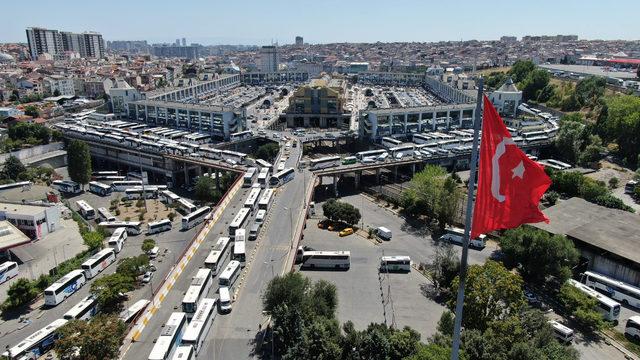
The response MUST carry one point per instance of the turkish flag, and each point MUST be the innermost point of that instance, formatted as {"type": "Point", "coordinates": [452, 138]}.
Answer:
{"type": "Point", "coordinates": [510, 184]}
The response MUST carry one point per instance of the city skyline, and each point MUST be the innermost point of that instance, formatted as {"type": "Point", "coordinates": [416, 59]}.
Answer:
{"type": "Point", "coordinates": [355, 22]}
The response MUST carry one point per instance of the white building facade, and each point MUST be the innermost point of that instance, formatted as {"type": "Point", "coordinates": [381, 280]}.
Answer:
{"type": "Point", "coordinates": [34, 221]}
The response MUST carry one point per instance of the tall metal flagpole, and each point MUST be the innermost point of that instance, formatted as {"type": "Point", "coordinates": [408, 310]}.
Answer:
{"type": "Point", "coordinates": [467, 226]}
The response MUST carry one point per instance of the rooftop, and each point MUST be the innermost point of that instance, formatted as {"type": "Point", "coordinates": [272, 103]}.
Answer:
{"type": "Point", "coordinates": [21, 209]}
{"type": "Point", "coordinates": [10, 236]}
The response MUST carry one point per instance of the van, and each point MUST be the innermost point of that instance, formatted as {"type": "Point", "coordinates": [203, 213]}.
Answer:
{"type": "Point", "coordinates": [561, 332]}
{"type": "Point", "coordinates": [383, 233]}
{"type": "Point", "coordinates": [225, 300]}
{"type": "Point", "coordinates": [153, 253]}
{"type": "Point", "coordinates": [254, 231]}
{"type": "Point", "coordinates": [260, 216]}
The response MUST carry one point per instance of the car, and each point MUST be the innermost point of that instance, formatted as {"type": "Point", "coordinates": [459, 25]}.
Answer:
{"type": "Point", "coordinates": [152, 267]}
{"type": "Point", "coordinates": [275, 135]}
{"type": "Point", "coordinates": [532, 299]}
{"type": "Point", "coordinates": [346, 232]}
{"type": "Point", "coordinates": [323, 223]}
{"type": "Point", "coordinates": [146, 278]}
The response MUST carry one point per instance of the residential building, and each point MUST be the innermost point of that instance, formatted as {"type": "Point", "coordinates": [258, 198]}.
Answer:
{"type": "Point", "coordinates": [299, 41]}
{"type": "Point", "coordinates": [9, 111]}
{"type": "Point", "coordinates": [166, 50]}
{"type": "Point", "coordinates": [507, 98]}
{"type": "Point", "coordinates": [358, 67]}
{"type": "Point", "coordinates": [44, 41]}
{"type": "Point", "coordinates": [35, 221]}
{"type": "Point", "coordinates": [62, 84]}
{"type": "Point", "coordinates": [269, 58]}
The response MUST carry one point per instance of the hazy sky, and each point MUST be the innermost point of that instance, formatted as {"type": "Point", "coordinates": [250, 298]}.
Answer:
{"type": "Point", "coordinates": [322, 21]}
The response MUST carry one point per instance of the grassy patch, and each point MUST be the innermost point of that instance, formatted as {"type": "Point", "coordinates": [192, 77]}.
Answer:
{"type": "Point", "coordinates": [630, 345]}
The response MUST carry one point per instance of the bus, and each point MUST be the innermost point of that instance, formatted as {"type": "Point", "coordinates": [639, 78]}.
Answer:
{"type": "Point", "coordinates": [370, 153]}
{"type": "Point", "coordinates": [559, 163]}
{"type": "Point", "coordinates": [198, 289]}
{"type": "Point", "coordinates": [230, 274]}
{"type": "Point", "coordinates": [609, 308]}
{"type": "Point", "coordinates": [86, 211]}
{"type": "Point", "coordinates": [238, 221]}
{"type": "Point", "coordinates": [325, 162]}
{"type": "Point", "coordinates": [240, 135]}
{"type": "Point", "coordinates": [137, 193]}
{"type": "Point", "coordinates": [98, 175]}
{"type": "Point", "coordinates": [266, 199]}
{"type": "Point", "coordinates": [632, 327]}
{"type": "Point", "coordinates": [132, 227]}
{"type": "Point", "coordinates": [116, 241]}
{"type": "Point", "coordinates": [8, 270]}
{"type": "Point", "coordinates": [395, 263]}
{"type": "Point", "coordinates": [324, 259]}
{"type": "Point", "coordinates": [194, 218]}
{"type": "Point", "coordinates": [170, 337]}
{"type": "Point", "coordinates": [187, 205]}
{"type": "Point", "coordinates": [84, 310]}
{"type": "Point", "coordinates": [67, 186]}
{"type": "Point", "coordinates": [390, 142]}
{"type": "Point", "coordinates": [184, 352]}
{"type": "Point", "coordinates": [239, 246]}
{"type": "Point", "coordinates": [169, 197]}
{"type": "Point", "coordinates": [127, 315]}
{"type": "Point", "coordinates": [99, 188]}
{"type": "Point", "coordinates": [263, 177]}
{"type": "Point", "coordinates": [217, 255]}
{"type": "Point", "coordinates": [158, 226]}
{"type": "Point", "coordinates": [282, 177]}
{"type": "Point", "coordinates": [105, 216]}
{"type": "Point", "coordinates": [234, 156]}
{"type": "Point", "coordinates": [64, 287]}
{"type": "Point", "coordinates": [249, 176]}
{"type": "Point", "coordinates": [124, 185]}
{"type": "Point", "coordinates": [264, 164]}
{"type": "Point", "coordinates": [617, 290]}
{"type": "Point", "coordinates": [252, 200]}
{"type": "Point", "coordinates": [38, 343]}
{"type": "Point", "coordinates": [403, 149]}
{"type": "Point", "coordinates": [349, 160]}
{"type": "Point", "coordinates": [200, 324]}
{"type": "Point", "coordinates": [98, 262]}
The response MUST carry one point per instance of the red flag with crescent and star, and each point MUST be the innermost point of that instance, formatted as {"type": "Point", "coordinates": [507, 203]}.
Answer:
{"type": "Point", "coordinates": [510, 184]}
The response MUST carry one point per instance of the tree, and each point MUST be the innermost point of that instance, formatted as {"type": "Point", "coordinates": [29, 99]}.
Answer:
{"type": "Point", "coordinates": [79, 162]}
{"type": "Point", "coordinates": [520, 70]}
{"type": "Point", "coordinates": [379, 341]}
{"type": "Point", "coordinates": [93, 240]}
{"type": "Point", "coordinates": [98, 339]}
{"type": "Point", "coordinates": [31, 110]}
{"type": "Point", "coordinates": [433, 194]}
{"type": "Point", "coordinates": [533, 84]}
{"type": "Point", "coordinates": [56, 92]}
{"type": "Point", "coordinates": [148, 244]}
{"type": "Point", "coordinates": [268, 151]}
{"type": "Point", "coordinates": [434, 352]}
{"type": "Point", "coordinates": [206, 189]}
{"type": "Point", "coordinates": [582, 307]}
{"type": "Point", "coordinates": [589, 90]}
{"type": "Point", "coordinates": [614, 182]}
{"type": "Point", "coordinates": [340, 211]}
{"type": "Point", "coordinates": [491, 293]}
{"type": "Point", "coordinates": [20, 292]}
{"type": "Point", "coordinates": [444, 267]}
{"type": "Point", "coordinates": [133, 266]}
{"type": "Point", "coordinates": [24, 131]}
{"type": "Point", "coordinates": [13, 168]}
{"type": "Point", "coordinates": [109, 290]}
{"type": "Point", "coordinates": [619, 122]}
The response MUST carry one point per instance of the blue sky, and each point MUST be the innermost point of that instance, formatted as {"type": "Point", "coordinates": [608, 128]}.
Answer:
{"type": "Point", "coordinates": [322, 21]}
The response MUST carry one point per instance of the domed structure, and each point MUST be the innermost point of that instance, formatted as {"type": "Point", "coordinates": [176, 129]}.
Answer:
{"type": "Point", "coordinates": [4, 57]}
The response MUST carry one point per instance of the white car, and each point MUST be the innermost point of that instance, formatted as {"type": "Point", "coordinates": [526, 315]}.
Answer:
{"type": "Point", "coordinates": [146, 278]}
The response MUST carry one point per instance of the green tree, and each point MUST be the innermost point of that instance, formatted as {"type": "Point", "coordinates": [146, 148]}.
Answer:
{"type": "Point", "coordinates": [99, 339]}
{"type": "Point", "coordinates": [206, 189]}
{"type": "Point", "coordinates": [546, 93]}
{"type": "Point", "coordinates": [589, 90]}
{"type": "Point", "coordinates": [340, 211]}
{"type": "Point", "coordinates": [20, 292]}
{"type": "Point", "coordinates": [268, 152]}
{"type": "Point", "coordinates": [495, 79]}
{"type": "Point", "coordinates": [24, 131]}
{"type": "Point", "coordinates": [614, 182]}
{"type": "Point", "coordinates": [582, 307]}
{"type": "Point", "coordinates": [93, 240]}
{"type": "Point", "coordinates": [619, 122]}
{"type": "Point", "coordinates": [444, 267]}
{"type": "Point", "coordinates": [13, 168]}
{"type": "Point", "coordinates": [133, 266]}
{"type": "Point", "coordinates": [538, 254]}
{"type": "Point", "coordinates": [79, 162]}
{"type": "Point", "coordinates": [491, 293]}
{"type": "Point", "coordinates": [56, 92]}
{"type": "Point", "coordinates": [109, 290]}
{"type": "Point", "coordinates": [31, 110]}
{"type": "Point", "coordinates": [433, 194]}
{"type": "Point", "coordinates": [520, 70]}
{"type": "Point", "coordinates": [434, 352]}
{"type": "Point", "coordinates": [533, 84]}
{"type": "Point", "coordinates": [148, 244]}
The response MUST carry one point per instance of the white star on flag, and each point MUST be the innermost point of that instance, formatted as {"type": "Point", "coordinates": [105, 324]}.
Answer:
{"type": "Point", "coordinates": [518, 170]}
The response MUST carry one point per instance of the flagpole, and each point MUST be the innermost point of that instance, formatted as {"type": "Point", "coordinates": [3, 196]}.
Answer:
{"type": "Point", "coordinates": [467, 226]}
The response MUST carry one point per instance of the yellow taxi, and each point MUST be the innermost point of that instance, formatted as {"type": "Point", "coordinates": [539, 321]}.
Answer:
{"type": "Point", "coordinates": [346, 232]}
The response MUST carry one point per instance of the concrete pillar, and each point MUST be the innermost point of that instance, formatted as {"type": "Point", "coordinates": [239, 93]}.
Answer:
{"type": "Point", "coordinates": [335, 184]}
{"type": "Point", "coordinates": [433, 121]}
{"type": "Point", "coordinates": [217, 179]}
{"type": "Point", "coordinates": [358, 175]}
{"type": "Point", "coordinates": [413, 169]}
{"type": "Point", "coordinates": [395, 173]}
{"type": "Point", "coordinates": [378, 176]}
{"type": "Point", "coordinates": [186, 173]}
{"type": "Point", "coordinates": [460, 119]}
{"type": "Point", "coordinates": [420, 122]}
{"type": "Point", "coordinates": [448, 119]}
{"type": "Point", "coordinates": [406, 116]}
{"type": "Point", "coordinates": [199, 170]}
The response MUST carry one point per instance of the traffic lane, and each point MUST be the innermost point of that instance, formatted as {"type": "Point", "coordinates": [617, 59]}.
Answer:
{"type": "Point", "coordinates": [173, 301]}
{"type": "Point", "coordinates": [595, 349]}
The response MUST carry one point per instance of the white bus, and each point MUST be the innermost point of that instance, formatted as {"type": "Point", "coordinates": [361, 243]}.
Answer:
{"type": "Point", "coordinates": [632, 328]}
{"type": "Point", "coordinates": [188, 206]}
{"type": "Point", "coordinates": [234, 156]}
{"type": "Point", "coordinates": [169, 197]}
{"type": "Point", "coordinates": [325, 162]}
{"type": "Point", "coordinates": [403, 149]}
{"type": "Point", "coordinates": [609, 308]}
{"type": "Point", "coordinates": [282, 177]}
{"type": "Point", "coordinates": [148, 192]}
{"type": "Point", "coordinates": [105, 216]}
{"type": "Point", "coordinates": [395, 263]}
{"type": "Point", "coordinates": [184, 352]}
{"type": "Point", "coordinates": [98, 262]}
{"type": "Point", "coordinates": [266, 199]}
{"type": "Point", "coordinates": [99, 188]}
{"type": "Point", "coordinates": [230, 274]}
{"type": "Point", "coordinates": [249, 176]}
{"type": "Point", "coordinates": [64, 287]}
{"type": "Point", "coordinates": [264, 164]}
{"type": "Point", "coordinates": [8, 270]}
{"type": "Point", "coordinates": [36, 344]}
{"type": "Point", "coordinates": [370, 154]}
{"type": "Point", "coordinates": [252, 200]}
{"type": "Point", "coordinates": [84, 310]}
{"type": "Point", "coordinates": [124, 185]}
{"type": "Point", "coordinates": [200, 324]}
{"type": "Point", "coordinates": [86, 210]}
{"type": "Point", "coordinates": [389, 142]}
{"type": "Point", "coordinates": [615, 289]}
{"type": "Point", "coordinates": [129, 314]}
{"type": "Point", "coordinates": [238, 221]}
{"type": "Point", "coordinates": [263, 177]}
{"type": "Point", "coordinates": [239, 246]}
{"type": "Point", "coordinates": [67, 186]}
{"type": "Point", "coordinates": [170, 337]}
{"type": "Point", "coordinates": [198, 289]}
{"type": "Point", "coordinates": [98, 175]}
{"type": "Point", "coordinates": [217, 255]}
{"type": "Point", "coordinates": [192, 219]}
{"type": "Point", "coordinates": [132, 227]}
{"type": "Point", "coordinates": [159, 226]}
{"type": "Point", "coordinates": [116, 241]}
{"type": "Point", "coordinates": [324, 259]}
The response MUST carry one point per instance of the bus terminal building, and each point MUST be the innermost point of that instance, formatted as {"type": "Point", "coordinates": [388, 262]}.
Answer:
{"type": "Point", "coordinates": [606, 238]}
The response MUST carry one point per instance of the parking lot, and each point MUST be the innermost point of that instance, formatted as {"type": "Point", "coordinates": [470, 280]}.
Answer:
{"type": "Point", "coordinates": [365, 295]}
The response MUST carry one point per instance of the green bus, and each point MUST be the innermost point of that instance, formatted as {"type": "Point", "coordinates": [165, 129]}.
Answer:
{"type": "Point", "coordinates": [349, 160]}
